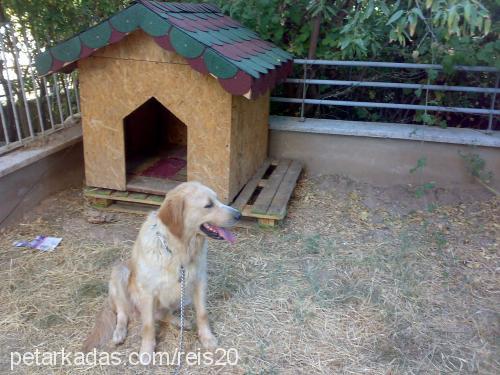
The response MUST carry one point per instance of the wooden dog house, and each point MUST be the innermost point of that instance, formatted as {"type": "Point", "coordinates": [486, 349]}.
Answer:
{"type": "Point", "coordinates": [169, 92]}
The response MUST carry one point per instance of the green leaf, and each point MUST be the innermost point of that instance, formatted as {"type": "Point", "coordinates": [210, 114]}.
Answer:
{"type": "Point", "coordinates": [369, 10]}
{"type": "Point", "coordinates": [360, 43]}
{"type": "Point", "coordinates": [452, 15]}
{"type": "Point", "coordinates": [432, 74]}
{"type": "Point", "coordinates": [487, 25]}
{"type": "Point", "coordinates": [448, 64]}
{"type": "Point", "coordinates": [428, 119]}
{"type": "Point", "coordinates": [419, 13]}
{"type": "Point", "coordinates": [467, 11]}
{"type": "Point", "coordinates": [429, 185]}
{"type": "Point", "coordinates": [385, 9]}
{"type": "Point", "coordinates": [345, 43]}
{"type": "Point", "coordinates": [412, 24]}
{"type": "Point", "coordinates": [395, 17]}
{"type": "Point", "coordinates": [421, 163]}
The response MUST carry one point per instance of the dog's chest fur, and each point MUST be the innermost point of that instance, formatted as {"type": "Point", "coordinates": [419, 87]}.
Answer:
{"type": "Point", "coordinates": [157, 269]}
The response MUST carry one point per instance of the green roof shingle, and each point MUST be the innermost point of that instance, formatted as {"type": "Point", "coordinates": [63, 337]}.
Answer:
{"type": "Point", "coordinates": [210, 42]}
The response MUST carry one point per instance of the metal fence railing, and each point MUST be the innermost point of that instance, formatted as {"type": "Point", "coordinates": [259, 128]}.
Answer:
{"type": "Point", "coordinates": [30, 105]}
{"type": "Point", "coordinates": [491, 112]}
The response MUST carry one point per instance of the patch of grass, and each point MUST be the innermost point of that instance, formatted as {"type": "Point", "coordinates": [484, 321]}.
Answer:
{"type": "Point", "coordinates": [49, 321]}
{"type": "Point", "coordinates": [106, 258]}
{"type": "Point", "coordinates": [90, 290]}
{"type": "Point", "coordinates": [312, 244]}
{"type": "Point", "coordinates": [317, 244]}
{"type": "Point", "coordinates": [439, 239]}
{"type": "Point", "coordinates": [302, 311]}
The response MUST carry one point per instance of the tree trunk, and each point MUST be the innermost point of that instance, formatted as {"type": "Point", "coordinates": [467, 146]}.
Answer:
{"type": "Point", "coordinates": [313, 42]}
{"type": "Point", "coordinates": [311, 55]}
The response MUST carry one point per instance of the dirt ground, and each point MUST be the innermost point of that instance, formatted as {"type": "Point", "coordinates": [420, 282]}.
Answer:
{"type": "Point", "coordinates": [357, 280]}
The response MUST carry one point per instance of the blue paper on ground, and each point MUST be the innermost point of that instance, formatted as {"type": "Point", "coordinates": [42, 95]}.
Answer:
{"type": "Point", "coordinates": [42, 243]}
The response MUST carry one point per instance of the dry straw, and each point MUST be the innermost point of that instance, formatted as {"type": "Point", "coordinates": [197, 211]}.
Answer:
{"type": "Point", "coordinates": [357, 280]}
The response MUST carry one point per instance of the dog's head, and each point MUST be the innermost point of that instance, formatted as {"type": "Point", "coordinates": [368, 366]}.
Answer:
{"type": "Point", "coordinates": [193, 208]}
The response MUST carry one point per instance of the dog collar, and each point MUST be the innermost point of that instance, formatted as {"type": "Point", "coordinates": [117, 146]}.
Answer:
{"type": "Point", "coordinates": [162, 240]}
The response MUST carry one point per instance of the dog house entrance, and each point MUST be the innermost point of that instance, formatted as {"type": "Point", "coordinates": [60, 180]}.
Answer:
{"type": "Point", "coordinates": [155, 149]}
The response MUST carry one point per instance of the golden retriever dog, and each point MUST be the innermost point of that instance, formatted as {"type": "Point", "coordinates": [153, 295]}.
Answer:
{"type": "Point", "coordinates": [148, 284]}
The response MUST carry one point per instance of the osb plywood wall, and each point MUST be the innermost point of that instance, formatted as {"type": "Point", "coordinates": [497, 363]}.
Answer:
{"type": "Point", "coordinates": [117, 80]}
{"type": "Point", "coordinates": [249, 136]}
{"type": "Point", "coordinates": [226, 136]}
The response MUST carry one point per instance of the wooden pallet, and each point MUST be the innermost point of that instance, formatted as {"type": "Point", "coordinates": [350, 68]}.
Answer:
{"type": "Point", "coordinates": [265, 197]}
{"type": "Point", "coordinates": [151, 185]}
{"type": "Point", "coordinates": [103, 198]}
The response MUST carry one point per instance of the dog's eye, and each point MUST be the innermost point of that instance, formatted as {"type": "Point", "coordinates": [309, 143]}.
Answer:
{"type": "Point", "coordinates": [210, 204]}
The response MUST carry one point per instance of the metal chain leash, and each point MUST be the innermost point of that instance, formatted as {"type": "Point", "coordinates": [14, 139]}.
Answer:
{"type": "Point", "coordinates": [182, 281]}
{"type": "Point", "coordinates": [181, 333]}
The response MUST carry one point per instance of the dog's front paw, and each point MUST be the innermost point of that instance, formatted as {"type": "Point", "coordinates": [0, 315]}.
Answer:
{"type": "Point", "coordinates": [208, 341]}
{"type": "Point", "coordinates": [146, 353]}
{"type": "Point", "coordinates": [119, 335]}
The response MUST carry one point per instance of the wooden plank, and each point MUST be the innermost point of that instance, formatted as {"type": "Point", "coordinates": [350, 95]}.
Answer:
{"type": "Point", "coordinates": [247, 223]}
{"type": "Point", "coordinates": [267, 194]}
{"type": "Point", "coordinates": [280, 200]}
{"type": "Point", "coordinates": [267, 223]}
{"type": "Point", "coordinates": [156, 198]}
{"type": "Point", "coordinates": [90, 189]}
{"type": "Point", "coordinates": [247, 212]}
{"type": "Point", "coordinates": [119, 194]}
{"type": "Point", "coordinates": [101, 202]}
{"type": "Point", "coordinates": [133, 198]}
{"type": "Point", "coordinates": [249, 188]}
{"type": "Point", "coordinates": [178, 178]}
{"type": "Point", "coordinates": [103, 192]}
{"type": "Point", "coordinates": [151, 185]}
{"type": "Point", "coordinates": [138, 196]}
{"type": "Point", "coordinates": [130, 208]}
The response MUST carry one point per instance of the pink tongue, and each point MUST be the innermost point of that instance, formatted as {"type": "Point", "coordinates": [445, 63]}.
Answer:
{"type": "Point", "coordinates": [227, 235]}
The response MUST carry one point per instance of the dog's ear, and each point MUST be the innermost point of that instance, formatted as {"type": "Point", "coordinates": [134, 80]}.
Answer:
{"type": "Point", "coordinates": [171, 214]}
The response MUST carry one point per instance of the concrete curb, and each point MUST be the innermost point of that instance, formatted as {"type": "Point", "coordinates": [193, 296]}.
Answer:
{"type": "Point", "coordinates": [386, 130]}
{"type": "Point", "coordinates": [23, 157]}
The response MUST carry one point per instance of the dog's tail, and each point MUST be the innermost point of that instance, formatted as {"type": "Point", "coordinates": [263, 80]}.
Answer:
{"type": "Point", "coordinates": [117, 302]}
{"type": "Point", "coordinates": [103, 328]}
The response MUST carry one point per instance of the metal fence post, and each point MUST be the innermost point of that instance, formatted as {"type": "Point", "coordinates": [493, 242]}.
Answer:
{"type": "Point", "coordinates": [492, 105]}
{"type": "Point", "coordinates": [68, 97]}
{"type": "Point", "coordinates": [9, 87]}
{"type": "Point", "coordinates": [304, 92]}
{"type": "Point", "coordinates": [4, 125]}
{"type": "Point", "coordinates": [49, 101]}
{"type": "Point", "coordinates": [58, 98]}
{"type": "Point", "coordinates": [76, 91]}
{"type": "Point", "coordinates": [33, 79]}
{"type": "Point", "coordinates": [13, 40]}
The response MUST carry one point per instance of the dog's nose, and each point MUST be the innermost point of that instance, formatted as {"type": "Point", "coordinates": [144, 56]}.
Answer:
{"type": "Point", "coordinates": [237, 215]}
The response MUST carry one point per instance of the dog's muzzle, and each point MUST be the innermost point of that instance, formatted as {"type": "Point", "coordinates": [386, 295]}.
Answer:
{"type": "Point", "coordinates": [219, 232]}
